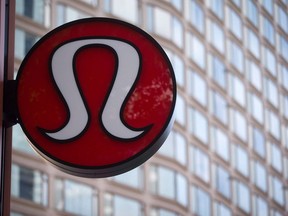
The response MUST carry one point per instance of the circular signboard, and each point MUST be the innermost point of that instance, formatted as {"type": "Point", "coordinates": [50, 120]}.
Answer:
{"type": "Point", "coordinates": [96, 96]}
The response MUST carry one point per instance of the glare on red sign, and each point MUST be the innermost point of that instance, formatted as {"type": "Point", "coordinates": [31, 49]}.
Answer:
{"type": "Point", "coordinates": [95, 97]}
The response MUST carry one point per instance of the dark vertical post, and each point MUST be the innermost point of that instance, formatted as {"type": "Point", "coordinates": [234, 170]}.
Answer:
{"type": "Point", "coordinates": [7, 29]}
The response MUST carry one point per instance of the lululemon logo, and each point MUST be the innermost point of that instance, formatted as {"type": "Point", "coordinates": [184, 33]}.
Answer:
{"type": "Point", "coordinates": [126, 74]}
{"type": "Point", "coordinates": [96, 97]}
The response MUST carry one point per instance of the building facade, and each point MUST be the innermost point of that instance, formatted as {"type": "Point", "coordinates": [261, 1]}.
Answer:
{"type": "Point", "coordinates": [228, 151]}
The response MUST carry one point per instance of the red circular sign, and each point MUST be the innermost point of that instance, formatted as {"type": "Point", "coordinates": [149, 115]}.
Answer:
{"type": "Point", "coordinates": [95, 97]}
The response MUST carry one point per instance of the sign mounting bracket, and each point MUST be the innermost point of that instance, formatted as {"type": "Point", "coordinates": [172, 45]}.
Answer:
{"type": "Point", "coordinates": [9, 106]}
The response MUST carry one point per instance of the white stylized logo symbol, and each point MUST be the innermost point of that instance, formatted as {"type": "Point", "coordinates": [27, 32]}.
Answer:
{"type": "Point", "coordinates": [126, 75]}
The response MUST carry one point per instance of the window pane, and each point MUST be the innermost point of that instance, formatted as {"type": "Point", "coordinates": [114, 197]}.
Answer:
{"type": "Point", "coordinates": [273, 124]}
{"type": "Point", "coordinates": [200, 202]}
{"type": "Point", "coordinates": [125, 9]}
{"type": "Point", "coordinates": [133, 178]}
{"type": "Point", "coordinates": [217, 6]}
{"type": "Point", "coordinates": [197, 88]}
{"type": "Point", "coordinates": [200, 165]}
{"type": "Point", "coordinates": [196, 50]}
{"type": "Point", "coordinates": [269, 61]}
{"type": "Point", "coordinates": [218, 71]}
{"type": "Point", "coordinates": [237, 90]}
{"type": "Point", "coordinates": [223, 181]}
{"type": "Point", "coordinates": [29, 184]}
{"type": "Point", "coordinates": [236, 57]}
{"type": "Point", "coordinates": [253, 43]}
{"type": "Point", "coordinates": [258, 142]}
{"type": "Point", "coordinates": [241, 160]}
{"type": "Point", "coordinates": [256, 108]}
{"type": "Point", "coordinates": [196, 16]}
{"type": "Point", "coordinates": [254, 75]}
{"type": "Point", "coordinates": [239, 125]}
{"type": "Point", "coordinates": [219, 107]}
{"type": "Point", "coordinates": [216, 37]}
{"type": "Point", "coordinates": [198, 125]}
{"type": "Point", "coordinates": [243, 196]}
{"type": "Point", "coordinates": [235, 23]}
{"type": "Point", "coordinates": [252, 12]}
{"type": "Point", "coordinates": [166, 180]}
{"type": "Point", "coordinates": [180, 111]}
{"type": "Point", "coordinates": [221, 143]}
{"type": "Point", "coordinates": [260, 176]}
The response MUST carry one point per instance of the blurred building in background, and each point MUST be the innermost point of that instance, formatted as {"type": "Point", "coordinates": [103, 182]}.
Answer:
{"type": "Point", "coordinates": [228, 151]}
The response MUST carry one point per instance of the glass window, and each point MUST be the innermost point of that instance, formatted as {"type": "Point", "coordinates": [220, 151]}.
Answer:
{"type": "Point", "coordinates": [282, 18]}
{"type": "Point", "coordinates": [162, 212]}
{"type": "Point", "coordinates": [283, 43]}
{"type": "Point", "coordinates": [273, 124]}
{"type": "Point", "coordinates": [285, 105]}
{"type": "Point", "coordinates": [258, 140]}
{"type": "Point", "coordinates": [91, 2]}
{"type": "Point", "coordinates": [29, 184]}
{"type": "Point", "coordinates": [217, 6]}
{"type": "Point", "coordinates": [201, 202]}
{"type": "Point", "coordinates": [234, 23]}
{"type": "Point", "coordinates": [217, 71]}
{"type": "Point", "coordinates": [269, 61]}
{"type": "Point", "coordinates": [260, 176]}
{"type": "Point", "coordinates": [197, 88]}
{"type": "Point", "coordinates": [175, 147]}
{"type": "Point", "coordinates": [198, 125]}
{"type": "Point", "coordinates": [254, 75]}
{"type": "Point", "coordinates": [221, 209]}
{"type": "Point", "coordinates": [164, 24]}
{"type": "Point", "coordinates": [125, 9]}
{"type": "Point", "coordinates": [200, 165]}
{"type": "Point", "coordinates": [195, 50]}
{"type": "Point", "coordinates": [275, 213]}
{"type": "Point", "coordinates": [242, 196]}
{"type": "Point", "coordinates": [196, 16]}
{"type": "Point", "coordinates": [220, 143]}
{"type": "Point", "coordinates": [256, 108]}
{"type": "Point", "coordinates": [271, 92]}
{"type": "Point", "coordinates": [178, 66]}
{"type": "Point", "coordinates": [223, 181]}
{"type": "Point", "coordinates": [237, 90]}
{"type": "Point", "coordinates": [253, 43]}
{"type": "Point", "coordinates": [276, 157]}
{"type": "Point", "coordinates": [252, 12]}
{"type": "Point", "coordinates": [241, 160]}
{"type": "Point", "coordinates": [216, 36]}
{"type": "Point", "coordinates": [277, 190]}
{"type": "Point", "coordinates": [286, 136]}
{"type": "Point", "coordinates": [169, 184]}
{"type": "Point", "coordinates": [178, 4]}
{"type": "Point", "coordinates": [219, 107]}
{"type": "Point", "coordinates": [268, 5]}
{"type": "Point", "coordinates": [23, 42]}
{"type": "Point", "coordinates": [116, 205]}
{"type": "Point", "coordinates": [180, 110]}
{"type": "Point", "coordinates": [20, 142]}
{"type": "Point", "coordinates": [133, 178]}
{"type": "Point", "coordinates": [67, 14]}
{"type": "Point", "coordinates": [239, 125]}
{"type": "Point", "coordinates": [177, 32]}
{"type": "Point", "coordinates": [75, 198]}
{"type": "Point", "coordinates": [260, 206]}
{"type": "Point", "coordinates": [237, 3]}
{"type": "Point", "coordinates": [268, 31]}
{"type": "Point", "coordinates": [284, 76]}
{"type": "Point", "coordinates": [235, 56]}
{"type": "Point", "coordinates": [33, 9]}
